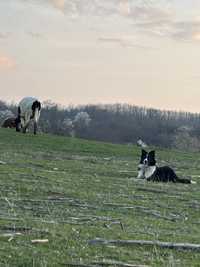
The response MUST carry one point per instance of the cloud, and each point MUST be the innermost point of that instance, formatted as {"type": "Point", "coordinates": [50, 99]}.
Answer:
{"type": "Point", "coordinates": [124, 42]}
{"type": "Point", "coordinates": [156, 18]}
{"type": "Point", "coordinates": [186, 30]}
{"type": "Point", "coordinates": [6, 62]}
{"type": "Point", "coordinates": [4, 35]}
{"type": "Point", "coordinates": [196, 36]}
{"type": "Point", "coordinates": [150, 14]}
{"type": "Point", "coordinates": [176, 30]}
{"type": "Point", "coordinates": [86, 8]}
{"type": "Point", "coordinates": [124, 7]}
{"type": "Point", "coordinates": [60, 4]}
{"type": "Point", "coordinates": [36, 35]}
{"type": "Point", "coordinates": [164, 23]}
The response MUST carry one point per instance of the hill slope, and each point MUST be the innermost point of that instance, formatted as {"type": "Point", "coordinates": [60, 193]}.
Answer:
{"type": "Point", "coordinates": [70, 191]}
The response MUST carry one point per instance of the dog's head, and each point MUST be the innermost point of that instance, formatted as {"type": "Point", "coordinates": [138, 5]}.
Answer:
{"type": "Point", "coordinates": [147, 159]}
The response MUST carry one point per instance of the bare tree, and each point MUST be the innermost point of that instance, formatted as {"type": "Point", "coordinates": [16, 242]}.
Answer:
{"type": "Point", "coordinates": [5, 114]}
{"type": "Point", "coordinates": [68, 127]}
{"type": "Point", "coordinates": [82, 119]}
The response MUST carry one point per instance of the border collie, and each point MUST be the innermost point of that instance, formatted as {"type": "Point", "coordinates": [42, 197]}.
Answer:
{"type": "Point", "coordinates": [148, 170]}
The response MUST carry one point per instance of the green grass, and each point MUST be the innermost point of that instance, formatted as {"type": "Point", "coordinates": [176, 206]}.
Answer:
{"type": "Point", "coordinates": [70, 191]}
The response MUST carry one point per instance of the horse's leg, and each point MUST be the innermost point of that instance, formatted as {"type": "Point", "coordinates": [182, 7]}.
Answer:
{"type": "Point", "coordinates": [35, 127]}
{"type": "Point", "coordinates": [24, 129]}
{"type": "Point", "coordinates": [18, 120]}
{"type": "Point", "coordinates": [25, 126]}
{"type": "Point", "coordinates": [36, 115]}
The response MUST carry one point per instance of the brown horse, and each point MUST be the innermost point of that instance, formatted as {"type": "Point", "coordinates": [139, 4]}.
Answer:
{"type": "Point", "coordinates": [9, 123]}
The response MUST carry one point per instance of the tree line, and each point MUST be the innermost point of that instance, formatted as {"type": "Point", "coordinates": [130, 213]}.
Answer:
{"type": "Point", "coordinates": [118, 123]}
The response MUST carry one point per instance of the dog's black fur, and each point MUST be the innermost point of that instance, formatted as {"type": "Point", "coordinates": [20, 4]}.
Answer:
{"type": "Point", "coordinates": [160, 174]}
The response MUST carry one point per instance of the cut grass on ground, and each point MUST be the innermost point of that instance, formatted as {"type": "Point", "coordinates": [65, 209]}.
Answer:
{"type": "Point", "coordinates": [70, 191]}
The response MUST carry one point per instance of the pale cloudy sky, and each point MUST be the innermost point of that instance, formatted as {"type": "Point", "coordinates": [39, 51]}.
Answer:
{"type": "Point", "coordinates": [143, 52]}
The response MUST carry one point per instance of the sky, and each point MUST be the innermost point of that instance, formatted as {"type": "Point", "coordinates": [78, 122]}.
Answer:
{"type": "Point", "coordinates": [141, 52]}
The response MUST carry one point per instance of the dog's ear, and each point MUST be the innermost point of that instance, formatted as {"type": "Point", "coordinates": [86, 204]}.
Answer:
{"type": "Point", "coordinates": [143, 156]}
{"type": "Point", "coordinates": [151, 158]}
{"type": "Point", "coordinates": [152, 153]}
{"type": "Point", "coordinates": [144, 152]}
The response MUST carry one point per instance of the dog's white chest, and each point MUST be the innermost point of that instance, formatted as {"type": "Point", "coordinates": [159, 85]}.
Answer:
{"type": "Point", "coordinates": [141, 169]}
{"type": "Point", "coordinates": [149, 171]}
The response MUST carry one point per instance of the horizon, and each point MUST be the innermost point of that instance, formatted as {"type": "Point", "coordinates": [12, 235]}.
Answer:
{"type": "Point", "coordinates": [144, 53]}
{"type": "Point", "coordinates": [65, 106]}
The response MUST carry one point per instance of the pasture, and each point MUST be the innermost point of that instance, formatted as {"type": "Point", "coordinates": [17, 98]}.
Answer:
{"type": "Point", "coordinates": [69, 191]}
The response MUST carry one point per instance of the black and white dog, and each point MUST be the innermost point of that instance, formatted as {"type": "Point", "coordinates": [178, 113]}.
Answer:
{"type": "Point", "coordinates": [148, 170]}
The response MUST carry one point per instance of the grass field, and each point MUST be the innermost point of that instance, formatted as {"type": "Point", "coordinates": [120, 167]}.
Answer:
{"type": "Point", "coordinates": [71, 191]}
